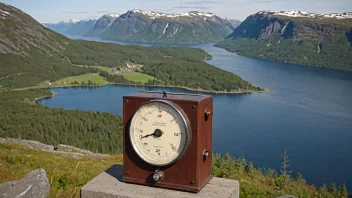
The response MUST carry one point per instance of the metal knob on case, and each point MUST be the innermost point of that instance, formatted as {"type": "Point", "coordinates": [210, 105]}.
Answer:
{"type": "Point", "coordinates": [158, 175]}
{"type": "Point", "coordinates": [205, 154]}
{"type": "Point", "coordinates": [207, 114]}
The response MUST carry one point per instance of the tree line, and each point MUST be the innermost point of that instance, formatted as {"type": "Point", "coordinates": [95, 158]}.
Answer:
{"type": "Point", "coordinates": [267, 182]}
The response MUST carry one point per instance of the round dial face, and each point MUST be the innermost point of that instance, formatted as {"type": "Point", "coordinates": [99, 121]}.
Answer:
{"type": "Point", "coordinates": [160, 132]}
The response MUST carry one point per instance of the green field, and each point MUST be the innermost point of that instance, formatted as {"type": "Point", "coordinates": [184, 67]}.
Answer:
{"type": "Point", "coordinates": [137, 77]}
{"type": "Point", "coordinates": [94, 77]}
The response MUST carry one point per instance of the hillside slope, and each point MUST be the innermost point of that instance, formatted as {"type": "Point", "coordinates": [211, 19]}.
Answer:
{"type": "Point", "coordinates": [295, 37]}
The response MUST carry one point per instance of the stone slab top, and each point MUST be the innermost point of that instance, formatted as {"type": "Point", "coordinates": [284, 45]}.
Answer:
{"type": "Point", "coordinates": [109, 184]}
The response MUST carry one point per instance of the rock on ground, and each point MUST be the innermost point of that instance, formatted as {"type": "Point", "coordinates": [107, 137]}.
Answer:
{"type": "Point", "coordinates": [35, 184]}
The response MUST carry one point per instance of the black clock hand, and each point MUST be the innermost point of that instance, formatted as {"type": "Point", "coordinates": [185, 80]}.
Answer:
{"type": "Point", "coordinates": [157, 133]}
{"type": "Point", "coordinates": [147, 135]}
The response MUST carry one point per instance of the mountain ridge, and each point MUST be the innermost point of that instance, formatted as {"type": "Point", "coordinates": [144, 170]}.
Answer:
{"type": "Point", "coordinates": [155, 27]}
{"type": "Point", "coordinates": [298, 37]}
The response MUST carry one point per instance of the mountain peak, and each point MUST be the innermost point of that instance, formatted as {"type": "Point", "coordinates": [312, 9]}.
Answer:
{"type": "Point", "coordinates": [298, 13]}
{"type": "Point", "coordinates": [154, 15]}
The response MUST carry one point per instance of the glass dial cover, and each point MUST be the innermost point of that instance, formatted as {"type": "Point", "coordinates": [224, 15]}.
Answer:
{"type": "Point", "coordinates": [160, 132]}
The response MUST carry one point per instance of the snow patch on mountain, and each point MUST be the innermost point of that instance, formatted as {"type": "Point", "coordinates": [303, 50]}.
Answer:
{"type": "Point", "coordinates": [167, 25]}
{"type": "Point", "coordinates": [154, 15]}
{"type": "Point", "coordinates": [175, 32]}
{"type": "Point", "coordinates": [4, 12]}
{"type": "Point", "coordinates": [294, 13]}
{"type": "Point", "coordinates": [114, 15]}
{"type": "Point", "coordinates": [227, 18]}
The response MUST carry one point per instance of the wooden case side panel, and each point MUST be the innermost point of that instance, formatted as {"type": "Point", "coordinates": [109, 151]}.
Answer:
{"type": "Point", "coordinates": [204, 141]}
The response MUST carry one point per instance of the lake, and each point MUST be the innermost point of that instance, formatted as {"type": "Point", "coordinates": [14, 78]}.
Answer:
{"type": "Point", "coordinates": [308, 112]}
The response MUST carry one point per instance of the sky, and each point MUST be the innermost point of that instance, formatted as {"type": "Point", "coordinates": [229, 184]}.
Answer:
{"type": "Point", "coordinates": [63, 10]}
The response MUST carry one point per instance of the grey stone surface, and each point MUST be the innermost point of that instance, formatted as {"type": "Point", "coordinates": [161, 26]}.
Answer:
{"type": "Point", "coordinates": [109, 185]}
{"type": "Point", "coordinates": [28, 143]}
{"type": "Point", "coordinates": [62, 149]}
{"type": "Point", "coordinates": [35, 184]}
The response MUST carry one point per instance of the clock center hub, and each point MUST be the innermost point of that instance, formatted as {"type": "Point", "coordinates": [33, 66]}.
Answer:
{"type": "Point", "coordinates": [157, 133]}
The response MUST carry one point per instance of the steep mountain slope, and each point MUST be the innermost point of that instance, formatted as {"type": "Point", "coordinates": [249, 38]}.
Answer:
{"type": "Point", "coordinates": [29, 52]}
{"type": "Point", "coordinates": [295, 37]}
{"type": "Point", "coordinates": [72, 27]}
{"type": "Point", "coordinates": [101, 25]}
{"type": "Point", "coordinates": [20, 33]}
{"type": "Point", "coordinates": [154, 27]}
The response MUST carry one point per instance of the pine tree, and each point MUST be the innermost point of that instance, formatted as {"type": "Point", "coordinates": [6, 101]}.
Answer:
{"type": "Point", "coordinates": [343, 191]}
{"type": "Point", "coordinates": [241, 163]}
{"type": "Point", "coordinates": [333, 189]}
{"type": "Point", "coordinates": [323, 190]}
{"type": "Point", "coordinates": [300, 179]}
{"type": "Point", "coordinates": [284, 167]}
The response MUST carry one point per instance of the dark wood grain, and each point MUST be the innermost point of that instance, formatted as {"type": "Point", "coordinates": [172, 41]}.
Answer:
{"type": "Point", "coordinates": [192, 171]}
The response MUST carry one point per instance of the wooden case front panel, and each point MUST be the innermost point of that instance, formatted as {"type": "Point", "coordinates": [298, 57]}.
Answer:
{"type": "Point", "coordinates": [179, 175]}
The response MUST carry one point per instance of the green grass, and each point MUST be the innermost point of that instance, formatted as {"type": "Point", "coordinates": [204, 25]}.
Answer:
{"type": "Point", "coordinates": [137, 77]}
{"type": "Point", "coordinates": [66, 175]}
{"type": "Point", "coordinates": [94, 77]}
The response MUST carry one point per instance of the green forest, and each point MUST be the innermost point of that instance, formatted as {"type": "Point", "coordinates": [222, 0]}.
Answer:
{"type": "Point", "coordinates": [23, 119]}
{"type": "Point", "coordinates": [195, 75]}
{"type": "Point", "coordinates": [102, 133]}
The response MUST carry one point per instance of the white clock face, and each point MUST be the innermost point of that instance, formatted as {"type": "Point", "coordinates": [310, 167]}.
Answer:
{"type": "Point", "coordinates": [160, 132]}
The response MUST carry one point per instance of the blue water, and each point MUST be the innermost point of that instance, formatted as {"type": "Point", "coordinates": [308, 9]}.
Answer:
{"type": "Point", "coordinates": [308, 112]}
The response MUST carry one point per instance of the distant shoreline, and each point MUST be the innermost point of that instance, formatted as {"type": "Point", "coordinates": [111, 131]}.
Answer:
{"type": "Point", "coordinates": [281, 61]}
{"type": "Point", "coordinates": [40, 98]}
{"type": "Point", "coordinates": [138, 85]}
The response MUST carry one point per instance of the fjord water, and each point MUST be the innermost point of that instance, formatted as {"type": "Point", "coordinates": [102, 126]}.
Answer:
{"type": "Point", "coordinates": [308, 112]}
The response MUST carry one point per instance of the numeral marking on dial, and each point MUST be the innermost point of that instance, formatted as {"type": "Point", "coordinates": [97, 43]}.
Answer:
{"type": "Point", "coordinates": [145, 144]}
{"type": "Point", "coordinates": [177, 134]}
{"type": "Point", "coordinates": [158, 151]}
{"type": "Point", "coordinates": [173, 147]}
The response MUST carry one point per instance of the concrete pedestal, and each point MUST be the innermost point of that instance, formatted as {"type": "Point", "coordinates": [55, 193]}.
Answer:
{"type": "Point", "coordinates": [109, 185]}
